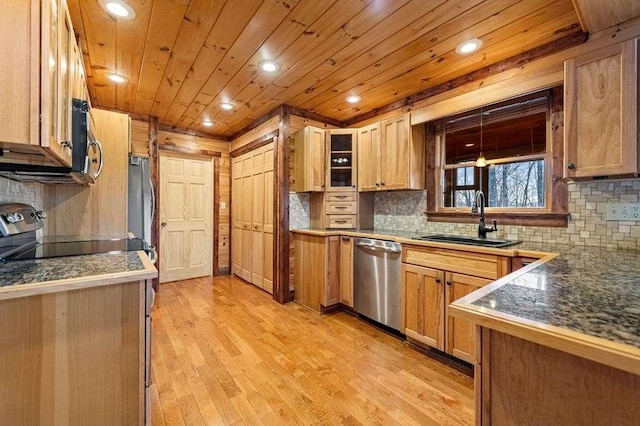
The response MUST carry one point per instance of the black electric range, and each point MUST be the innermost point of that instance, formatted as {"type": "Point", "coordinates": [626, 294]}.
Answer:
{"type": "Point", "coordinates": [20, 222]}
{"type": "Point", "coordinates": [44, 250]}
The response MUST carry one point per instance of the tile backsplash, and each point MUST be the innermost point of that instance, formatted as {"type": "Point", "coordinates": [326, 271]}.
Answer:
{"type": "Point", "coordinates": [29, 193]}
{"type": "Point", "coordinates": [299, 210]}
{"type": "Point", "coordinates": [587, 225]}
{"type": "Point", "coordinates": [404, 211]}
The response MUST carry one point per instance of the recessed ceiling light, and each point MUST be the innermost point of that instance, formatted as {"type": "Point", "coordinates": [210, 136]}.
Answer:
{"type": "Point", "coordinates": [469, 145]}
{"type": "Point", "coordinates": [118, 8]}
{"type": "Point", "coordinates": [117, 78]}
{"type": "Point", "coordinates": [226, 106]}
{"type": "Point", "coordinates": [207, 123]}
{"type": "Point", "coordinates": [269, 66]}
{"type": "Point", "coordinates": [352, 99]}
{"type": "Point", "coordinates": [469, 46]}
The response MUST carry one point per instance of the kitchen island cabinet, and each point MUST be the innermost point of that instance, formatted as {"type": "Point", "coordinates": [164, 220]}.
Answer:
{"type": "Point", "coordinates": [74, 345]}
{"type": "Point", "coordinates": [558, 340]}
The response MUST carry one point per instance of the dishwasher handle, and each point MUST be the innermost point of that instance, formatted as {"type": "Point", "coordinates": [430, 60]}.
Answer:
{"type": "Point", "coordinates": [373, 247]}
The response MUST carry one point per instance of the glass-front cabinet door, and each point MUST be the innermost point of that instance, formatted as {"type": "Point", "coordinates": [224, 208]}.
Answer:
{"type": "Point", "coordinates": [341, 155]}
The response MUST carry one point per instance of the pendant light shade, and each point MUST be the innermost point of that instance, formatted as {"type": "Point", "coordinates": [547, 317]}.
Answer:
{"type": "Point", "coordinates": [481, 161]}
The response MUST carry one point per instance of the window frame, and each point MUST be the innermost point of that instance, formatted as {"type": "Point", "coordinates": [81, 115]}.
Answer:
{"type": "Point", "coordinates": [554, 213]}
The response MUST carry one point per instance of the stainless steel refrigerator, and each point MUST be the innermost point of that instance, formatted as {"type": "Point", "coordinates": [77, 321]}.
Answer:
{"type": "Point", "coordinates": [141, 198]}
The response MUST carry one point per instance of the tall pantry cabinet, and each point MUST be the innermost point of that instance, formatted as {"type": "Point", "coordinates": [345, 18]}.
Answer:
{"type": "Point", "coordinates": [252, 217]}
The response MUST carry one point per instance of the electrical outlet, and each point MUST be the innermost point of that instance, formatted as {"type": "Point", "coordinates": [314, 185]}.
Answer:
{"type": "Point", "coordinates": [223, 205]}
{"type": "Point", "coordinates": [623, 211]}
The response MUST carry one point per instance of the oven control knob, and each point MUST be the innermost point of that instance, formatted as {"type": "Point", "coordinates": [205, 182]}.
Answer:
{"type": "Point", "coordinates": [14, 218]}
{"type": "Point", "coordinates": [41, 214]}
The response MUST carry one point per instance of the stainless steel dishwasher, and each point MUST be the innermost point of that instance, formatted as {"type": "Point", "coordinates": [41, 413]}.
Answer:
{"type": "Point", "coordinates": [377, 282]}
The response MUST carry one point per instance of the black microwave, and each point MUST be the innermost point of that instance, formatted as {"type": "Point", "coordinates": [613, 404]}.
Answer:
{"type": "Point", "coordinates": [87, 155]}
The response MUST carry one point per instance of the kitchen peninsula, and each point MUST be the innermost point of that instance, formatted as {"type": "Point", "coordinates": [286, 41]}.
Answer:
{"type": "Point", "coordinates": [78, 339]}
{"type": "Point", "coordinates": [558, 342]}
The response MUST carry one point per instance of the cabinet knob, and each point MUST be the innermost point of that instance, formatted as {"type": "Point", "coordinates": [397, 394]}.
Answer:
{"type": "Point", "coordinates": [438, 280]}
{"type": "Point", "coordinates": [377, 184]}
{"type": "Point", "coordinates": [382, 183]}
{"type": "Point", "coordinates": [571, 166]}
{"type": "Point", "coordinates": [163, 224]}
{"type": "Point", "coordinates": [448, 282]}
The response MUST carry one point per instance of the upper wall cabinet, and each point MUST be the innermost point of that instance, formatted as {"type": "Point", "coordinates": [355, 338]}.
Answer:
{"type": "Point", "coordinates": [308, 160]}
{"type": "Point", "coordinates": [391, 156]}
{"type": "Point", "coordinates": [601, 113]}
{"type": "Point", "coordinates": [39, 68]}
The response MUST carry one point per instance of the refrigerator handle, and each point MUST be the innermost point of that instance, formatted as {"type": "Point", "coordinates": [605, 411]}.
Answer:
{"type": "Point", "coordinates": [153, 200]}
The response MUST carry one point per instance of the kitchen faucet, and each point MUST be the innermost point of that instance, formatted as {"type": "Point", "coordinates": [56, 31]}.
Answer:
{"type": "Point", "coordinates": [482, 228]}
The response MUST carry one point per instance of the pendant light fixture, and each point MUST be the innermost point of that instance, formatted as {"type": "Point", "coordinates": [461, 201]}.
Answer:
{"type": "Point", "coordinates": [481, 161]}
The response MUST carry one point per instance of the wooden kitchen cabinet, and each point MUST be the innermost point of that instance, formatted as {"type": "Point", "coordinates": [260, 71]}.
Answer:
{"type": "Point", "coordinates": [37, 67]}
{"type": "Point", "coordinates": [341, 167]}
{"type": "Point", "coordinates": [424, 305]}
{"type": "Point", "coordinates": [391, 156]}
{"type": "Point", "coordinates": [316, 270]}
{"type": "Point", "coordinates": [308, 160]}
{"type": "Point", "coordinates": [601, 113]}
{"type": "Point", "coordinates": [346, 270]}
{"type": "Point", "coordinates": [369, 158]}
{"type": "Point", "coordinates": [432, 279]}
{"type": "Point", "coordinates": [461, 334]}
{"type": "Point", "coordinates": [252, 217]}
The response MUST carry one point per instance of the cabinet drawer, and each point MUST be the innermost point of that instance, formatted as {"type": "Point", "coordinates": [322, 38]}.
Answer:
{"type": "Point", "coordinates": [335, 221]}
{"type": "Point", "coordinates": [476, 264]}
{"type": "Point", "coordinates": [341, 208]}
{"type": "Point", "coordinates": [347, 196]}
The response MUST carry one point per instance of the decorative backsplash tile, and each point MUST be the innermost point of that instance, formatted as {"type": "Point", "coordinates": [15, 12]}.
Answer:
{"type": "Point", "coordinates": [299, 210]}
{"type": "Point", "coordinates": [19, 192]}
{"type": "Point", "coordinates": [588, 226]}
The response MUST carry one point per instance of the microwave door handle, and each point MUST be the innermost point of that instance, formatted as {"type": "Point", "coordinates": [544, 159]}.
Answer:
{"type": "Point", "coordinates": [97, 143]}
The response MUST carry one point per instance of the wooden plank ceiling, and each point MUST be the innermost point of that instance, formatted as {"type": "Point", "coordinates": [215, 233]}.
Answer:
{"type": "Point", "coordinates": [184, 57]}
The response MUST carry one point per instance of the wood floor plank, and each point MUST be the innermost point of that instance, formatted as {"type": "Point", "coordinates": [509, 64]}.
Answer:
{"type": "Point", "coordinates": [226, 353]}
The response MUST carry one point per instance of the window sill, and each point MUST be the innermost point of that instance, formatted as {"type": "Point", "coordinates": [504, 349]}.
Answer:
{"type": "Point", "coordinates": [557, 220]}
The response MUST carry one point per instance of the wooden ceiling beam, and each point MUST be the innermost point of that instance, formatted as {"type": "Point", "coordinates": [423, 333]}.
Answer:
{"type": "Point", "coordinates": [509, 63]}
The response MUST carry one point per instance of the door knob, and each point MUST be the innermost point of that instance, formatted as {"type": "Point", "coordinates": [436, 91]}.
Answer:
{"type": "Point", "coordinates": [571, 166]}
{"type": "Point", "coordinates": [163, 224]}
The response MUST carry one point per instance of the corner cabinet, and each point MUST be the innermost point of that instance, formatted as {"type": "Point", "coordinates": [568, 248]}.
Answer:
{"type": "Point", "coordinates": [601, 113]}
{"type": "Point", "coordinates": [39, 71]}
{"type": "Point", "coordinates": [434, 278]}
{"type": "Point", "coordinates": [391, 156]}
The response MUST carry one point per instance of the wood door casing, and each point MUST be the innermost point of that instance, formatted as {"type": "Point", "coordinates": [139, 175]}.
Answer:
{"type": "Point", "coordinates": [461, 334]}
{"type": "Point", "coordinates": [268, 223]}
{"type": "Point", "coordinates": [423, 304]}
{"type": "Point", "coordinates": [186, 184]}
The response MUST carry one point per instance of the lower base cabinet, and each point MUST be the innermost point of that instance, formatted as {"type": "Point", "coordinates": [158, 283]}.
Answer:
{"type": "Point", "coordinates": [317, 271]}
{"type": "Point", "coordinates": [346, 270]}
{"type": "Point", "coordinates": [428, 292]}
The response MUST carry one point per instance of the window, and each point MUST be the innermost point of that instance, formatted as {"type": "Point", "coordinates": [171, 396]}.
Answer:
{"type": "Point", "coordinates": [513, 138]}
{"type": "Point", "coordinates": [522, 142]}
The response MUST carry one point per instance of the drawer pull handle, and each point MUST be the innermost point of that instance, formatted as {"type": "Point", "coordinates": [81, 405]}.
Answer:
{"type": "Point", "coordinates": [341, 221]}
{"type": "Point", "coordinates": [341, 197]}
{"type": "Point", "coordinates": [341, 207]}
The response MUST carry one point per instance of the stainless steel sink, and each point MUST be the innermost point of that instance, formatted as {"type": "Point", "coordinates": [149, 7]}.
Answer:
{"type": "Point", "coordinates": [454, 239]}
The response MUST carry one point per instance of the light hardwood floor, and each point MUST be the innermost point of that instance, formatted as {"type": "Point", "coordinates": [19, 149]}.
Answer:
{"type": "Point", "coordinates": [225, 353]}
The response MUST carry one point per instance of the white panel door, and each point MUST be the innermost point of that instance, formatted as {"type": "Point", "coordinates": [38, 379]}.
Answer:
{"type": "Point", "coordinates": [186, 217]}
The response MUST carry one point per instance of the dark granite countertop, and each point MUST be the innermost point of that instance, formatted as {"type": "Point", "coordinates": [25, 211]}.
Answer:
{"type": "Point", "coordinates": [593, 291]}
{"type": "Point", "coordinates": [21, 272]}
